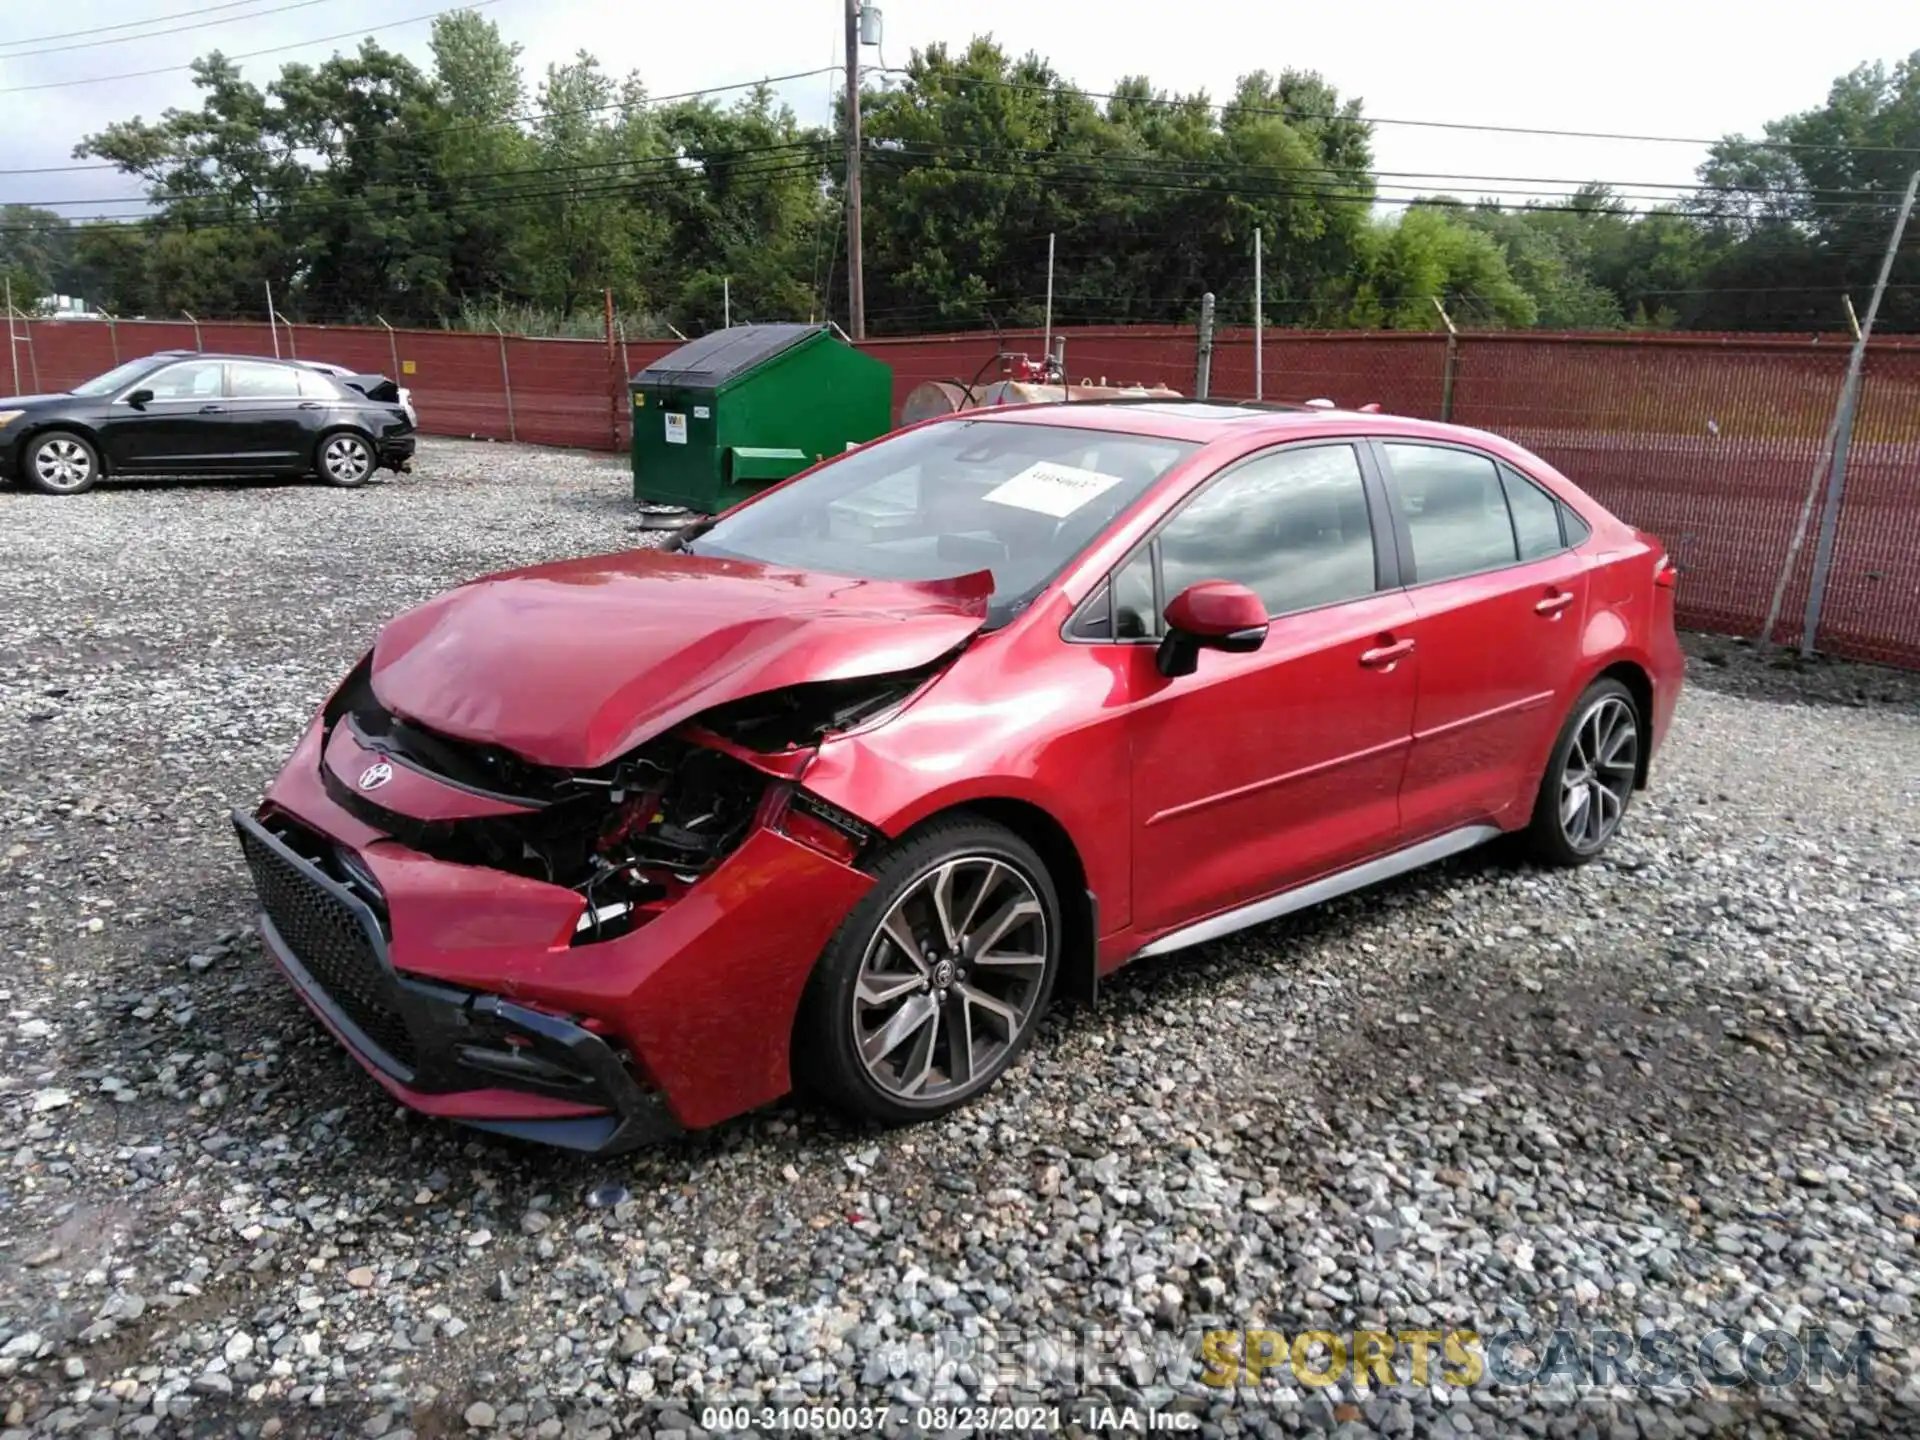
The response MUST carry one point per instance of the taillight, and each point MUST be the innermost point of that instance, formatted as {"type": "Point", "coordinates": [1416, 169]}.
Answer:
{"type": "Point", "coordinates": [1666, 574]}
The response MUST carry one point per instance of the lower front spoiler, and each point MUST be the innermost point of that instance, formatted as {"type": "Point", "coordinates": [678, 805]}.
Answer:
{"type": "Point", "coordinates": [455, 1054]}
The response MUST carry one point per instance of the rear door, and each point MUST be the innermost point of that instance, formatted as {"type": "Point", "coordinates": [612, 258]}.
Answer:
{"type": "Point", "coordinates": [1264, 770]}
{"type": "Point", "coordinates": [1500, 600]}
{"type": "Point", "coordinates": [266, 422]}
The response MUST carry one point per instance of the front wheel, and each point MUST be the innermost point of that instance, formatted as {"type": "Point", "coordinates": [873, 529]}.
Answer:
{"type": "Point", "coordinates": [1590, 777]}
{"type": "Point", "coordinates": [345, 459]}
{"type": "Point", "coordinates": [61, 462]}
{"type": "Point", "coordinates": [935, 982]}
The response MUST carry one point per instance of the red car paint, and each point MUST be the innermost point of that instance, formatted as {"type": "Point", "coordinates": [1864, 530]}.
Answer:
{"type": "Point", "coordinates": [575, 663]}
{"type": "Point", "coordinates": [1352, 731]}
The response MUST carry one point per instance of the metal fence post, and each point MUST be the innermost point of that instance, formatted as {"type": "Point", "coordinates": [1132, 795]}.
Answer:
{"type": "Point", "coordinates": [626, 372]}
{"type": "Point", "coordinates": [1843, 432]}
{"type": "Point", "coordinates": [506, 382]}
{"type": "Point", "coordinates": [13, 352]}
{"type": "Point", "coordinates": [197, 346]}
{"type": "Point", "coordinates": [1203, 356]}
{"type": "Point", "coordinates": [617, 400]}
{"type": "Point", "coordinates": [1450, 366]}
{"type": "Point", "coordinates": [113, 335]}
{"type": "Point", "coordinates": [393, 348]}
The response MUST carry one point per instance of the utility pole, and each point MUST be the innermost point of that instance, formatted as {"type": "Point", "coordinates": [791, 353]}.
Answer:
{"type": "Point", "coordinates": [856, 280]}
{"type": "Point", "coordinates": [1259, 327]}
{"type": "Point", "coordinates": [1843, 430]}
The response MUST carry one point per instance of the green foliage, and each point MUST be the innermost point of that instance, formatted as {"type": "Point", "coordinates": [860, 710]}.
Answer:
{"type": "Point", "coordinates": [458, 194]}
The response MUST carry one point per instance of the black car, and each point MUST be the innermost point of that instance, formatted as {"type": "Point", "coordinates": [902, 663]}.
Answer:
{"type": "Point", "coordinates": [180, 412]}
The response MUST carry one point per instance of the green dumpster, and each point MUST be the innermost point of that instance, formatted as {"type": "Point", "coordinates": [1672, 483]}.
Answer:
{"type": "Point", "coordinates": [732, 412]}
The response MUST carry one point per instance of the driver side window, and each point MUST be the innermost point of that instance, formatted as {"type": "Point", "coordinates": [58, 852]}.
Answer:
{"type": "Point", "coordinates": [195, 380]}
{"type": "Point", "coordinates": [1291, 525]}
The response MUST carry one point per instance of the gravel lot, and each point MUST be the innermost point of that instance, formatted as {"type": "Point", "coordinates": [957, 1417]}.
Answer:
{"type": "Point", "coordinates": [1676, 1089]}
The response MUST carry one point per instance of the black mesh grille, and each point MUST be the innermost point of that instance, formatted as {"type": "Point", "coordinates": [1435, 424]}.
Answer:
{"type": "Point", "coordinates": [328, 937]}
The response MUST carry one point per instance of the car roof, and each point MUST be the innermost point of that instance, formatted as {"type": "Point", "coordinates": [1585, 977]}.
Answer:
{"type": "Point", "coordinates": [1205, 421]}
{"type": "Point", "coordinates": [221, 355]}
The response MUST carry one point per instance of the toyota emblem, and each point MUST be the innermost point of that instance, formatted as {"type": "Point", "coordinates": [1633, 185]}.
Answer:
{"type": "Point", "coordinates": [375, 775]}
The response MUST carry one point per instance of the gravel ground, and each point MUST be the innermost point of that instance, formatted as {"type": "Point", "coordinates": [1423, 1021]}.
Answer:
{"type": "Point", "coordinates": [1675, 1090]}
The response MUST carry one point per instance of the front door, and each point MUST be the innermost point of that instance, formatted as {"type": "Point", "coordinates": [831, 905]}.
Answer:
{"type": "Point", "coordinates": [1262, 771]}
{"type": "Point", "coordinates": [178, 426]}
{"type": "Point", "coordinates": [1501, 601]}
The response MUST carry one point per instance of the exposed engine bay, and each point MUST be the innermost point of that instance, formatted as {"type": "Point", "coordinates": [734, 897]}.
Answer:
{"type": "Point", "coordinates": [633, 836]}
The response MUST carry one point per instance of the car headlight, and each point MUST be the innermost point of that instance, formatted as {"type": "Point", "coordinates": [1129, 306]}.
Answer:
{"type": "Point", "coordinates": [7, 417]}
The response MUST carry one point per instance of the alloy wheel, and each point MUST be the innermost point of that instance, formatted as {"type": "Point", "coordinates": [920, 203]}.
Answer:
{"type": "Point", "coordinates": [1598, 776]}
{"type": "Point", "coordinates": [62, 464]}
{"type": "Point", "coordinates": [347, 459]}
{"type": "Point", "coordinates": [951, 979]}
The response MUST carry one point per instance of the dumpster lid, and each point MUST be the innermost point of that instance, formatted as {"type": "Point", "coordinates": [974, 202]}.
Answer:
{"type": "Point", "coordinates": [714, 359]}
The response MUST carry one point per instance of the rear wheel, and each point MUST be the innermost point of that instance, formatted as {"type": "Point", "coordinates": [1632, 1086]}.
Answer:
{"type": "Point", "coordinates": [345, 459]}
{"type": "Point", "coordinates": [935, 982]}
{"type": "Point", "coordinates": [1590, 777]}
{"type": "Point", "coordinates": [60, 462]}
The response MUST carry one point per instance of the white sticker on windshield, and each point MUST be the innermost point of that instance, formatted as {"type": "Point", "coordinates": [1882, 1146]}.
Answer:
{"type": "Point", "coordinates": [1050, 489]}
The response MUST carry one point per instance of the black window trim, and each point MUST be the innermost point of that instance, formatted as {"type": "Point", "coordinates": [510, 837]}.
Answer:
{"type": "Point", "coordinates": [1403, 533]}
{"type": "Point", "coordinates": [1390, 549]}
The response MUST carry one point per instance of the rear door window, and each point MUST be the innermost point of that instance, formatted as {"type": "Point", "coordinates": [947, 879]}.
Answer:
{"type": "Point", "coordinates": [1455, 509]}
{"type": "Point", "coordinates": [250, 381]}
{"type": "Point", "coordinates": [1536, 516]}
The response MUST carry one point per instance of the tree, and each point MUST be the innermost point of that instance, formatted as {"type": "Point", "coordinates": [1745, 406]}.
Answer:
{"type": "Point", "coordinates": [1431, 254]}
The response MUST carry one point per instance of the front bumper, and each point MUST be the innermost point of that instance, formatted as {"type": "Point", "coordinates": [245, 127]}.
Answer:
{"type": "Point", "coordinates": [439, 1048]}
{"type": "Point", "coordinates": [679, 1024]}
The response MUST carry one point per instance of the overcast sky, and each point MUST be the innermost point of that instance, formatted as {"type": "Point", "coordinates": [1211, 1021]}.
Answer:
{"type": "Point", "coordinates": [1656, 67]}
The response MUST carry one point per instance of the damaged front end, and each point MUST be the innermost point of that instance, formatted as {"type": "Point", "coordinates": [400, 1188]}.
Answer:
{"type": "Point", "coordinates": [631, 837]}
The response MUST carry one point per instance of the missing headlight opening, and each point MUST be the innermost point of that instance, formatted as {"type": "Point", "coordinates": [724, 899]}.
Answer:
{"type": "Point", "coordinates": [633, 836]}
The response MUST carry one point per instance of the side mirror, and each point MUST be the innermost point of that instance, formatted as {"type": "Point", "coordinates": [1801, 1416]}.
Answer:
{"type": "Point", "coordinates": [1212, 615]}
{"type": "Point", "coordinates": [139, 398]}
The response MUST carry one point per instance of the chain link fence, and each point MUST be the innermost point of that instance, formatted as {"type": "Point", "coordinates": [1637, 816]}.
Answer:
{"type": "Point", "coordinates": [1711, 442]}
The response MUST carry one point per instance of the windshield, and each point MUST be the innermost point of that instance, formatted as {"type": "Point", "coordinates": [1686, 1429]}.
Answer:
{"type": "Point", "coordinates": [951, 499]}
{"type": "Point", "coordinates": [115, 379]}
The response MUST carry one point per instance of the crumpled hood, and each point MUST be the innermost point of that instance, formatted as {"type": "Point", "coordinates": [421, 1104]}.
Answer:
{"type": "Point", "coordinates": [575, 663]}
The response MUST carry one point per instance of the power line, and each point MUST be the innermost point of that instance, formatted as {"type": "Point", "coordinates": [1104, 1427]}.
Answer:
{"type": "Point", "coordinates": [401, 132]}
{"type": "Point", "coordinates": [1290, 112]}
{"type": "Point", "coordinates": [131, 24]}
{"type": "Point", "coordinates": [361, 207]}
{"type": "Point", "coordinates": [423, 172]}
{"type": "Point", "coordinates": [246, 55]}
{"type": "Point", "coordinates": [157, 34]}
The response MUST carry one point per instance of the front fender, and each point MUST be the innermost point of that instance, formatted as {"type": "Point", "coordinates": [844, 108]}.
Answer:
{"type": "Point", "coordinates": [17, 443]}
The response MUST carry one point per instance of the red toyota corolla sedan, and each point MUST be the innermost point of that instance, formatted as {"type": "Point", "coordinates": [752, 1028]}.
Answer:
{"type": "Point", "coordinates": [848, 784]}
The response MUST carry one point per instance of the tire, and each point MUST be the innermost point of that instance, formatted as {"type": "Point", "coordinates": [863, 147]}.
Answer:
{"type": "Point", "coordinates": [60, 462]}
{"type": "Point", "coordinates": [1596, 755]}
{"type": "Point", "coordinates": [842, 1053]}
{"type": "Point", "coordinates": [344, 458]}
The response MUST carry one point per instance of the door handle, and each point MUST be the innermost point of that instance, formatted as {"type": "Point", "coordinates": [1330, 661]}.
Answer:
{"type": "Point", "coordinates": [1553, 604]}
{"type": "Point", "coordinates": [212, 409]}
{"type": "Point", "coordinates": [309, 404]}
{"type": "Point", "coordinates": [1382, 656]}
